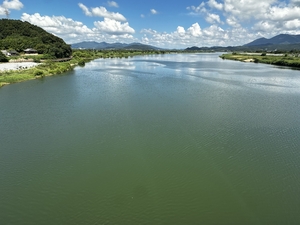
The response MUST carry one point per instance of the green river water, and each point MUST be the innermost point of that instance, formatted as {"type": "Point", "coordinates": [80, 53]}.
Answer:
{"type": "Point", "coordinates": [165, 139]}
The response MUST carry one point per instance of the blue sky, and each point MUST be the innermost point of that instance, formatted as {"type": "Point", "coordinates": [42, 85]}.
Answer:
{"type": "Point", "coordinates": [162, 23]}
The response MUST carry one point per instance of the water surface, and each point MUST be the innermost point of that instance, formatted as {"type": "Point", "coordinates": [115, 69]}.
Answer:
{"type": "Point", "coordinates": [167, 139]}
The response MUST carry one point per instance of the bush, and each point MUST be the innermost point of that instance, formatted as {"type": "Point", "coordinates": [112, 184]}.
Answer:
{"type": "Point", "coordinates": [256, 60]}
{"type": "Point", "coordinates": [39, 73]}
{"type": "Point", "coordinates": [3, 58]}
{"type": "Point", "coordinates": [36, 60]}
{"type": "Point", "coordinates": [81, 63]}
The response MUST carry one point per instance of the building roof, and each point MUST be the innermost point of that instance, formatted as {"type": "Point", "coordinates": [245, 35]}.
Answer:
{"type": "Point", "coordinates": [30, 50]}
{"type": "Point", "coordinates": [13, 52]}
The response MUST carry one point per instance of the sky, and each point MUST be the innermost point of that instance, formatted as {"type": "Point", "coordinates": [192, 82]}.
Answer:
{"type": "Point", "coordinates": [162, 23]}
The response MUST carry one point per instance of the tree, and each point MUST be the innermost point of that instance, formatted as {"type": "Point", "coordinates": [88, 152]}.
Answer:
{"type": "Point", "coordinates": [19, 35]}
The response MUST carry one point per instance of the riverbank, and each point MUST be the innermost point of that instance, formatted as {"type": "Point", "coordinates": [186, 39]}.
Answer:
{"type": "Point", "coordinates": [279, 60]}
{"type": "Point", "coordinates": [22, 71]}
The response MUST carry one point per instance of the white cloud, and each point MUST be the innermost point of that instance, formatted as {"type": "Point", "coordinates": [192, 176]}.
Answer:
{"type": "Point", "coordinates": [213, 18]}
{"type": "Point", "coordinates": [149, 31]}
{"type": "Point", "coordinates": [85, 9]}
{"type": "Point", "coordinates": [259, 18]}
{"type": "Point", "coordinates": [197, 36]}
{"type": "Point", "coordinates": [202, 11]}
{"type": "Point", "coordinates": [8, 5]}
{"type": "Point", "coordinates": [245, 10]}
{"type": "Point", "coordinates": [74, 31]}
{"type": "Point", "coordinates": [2, 11]}
{"type": "Point", "coordinates": [153, 11]}
{"type": "Point", "coordinates": [232, 21]}
{"type": "Point", "coordinates": [197, 9]}
{"type": "Point", "coordinates": [114, 27]}
{"type": "Point", "coordinates": [195, 30]}
{"type": "Point", "coordinates": [12, 4]}
{"type": "Point", "coordinates": [112, 4]}
{"type": "Point", "coordinates": [101, 12]}
{"type": "Point", "coordinates": [180, 31]}
{"type": "Point", "coordinates": [215, 4]}
{"type": "Point", "coordinates": [283, 13]}
{"type": "Point", "coordinates": [59, 25]}
{"type": "Point", "coordinates": [142, 15]}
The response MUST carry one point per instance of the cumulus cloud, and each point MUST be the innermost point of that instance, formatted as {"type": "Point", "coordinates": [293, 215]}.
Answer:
{"type": "Point", "coordinates": [58, 25]}
{"type": "Point", "coordinates": [180, 31]}
{"type": "Point", "coordinates": [194, 35]}
{"type": "Point", "coordinates": [12, 4]}
{"type": "Point", "coordinates": [268, 17]}
{"type": "Point", "coordinates": [8, 5]}
{"type": "Point", "coordinates": [153, 11]}
{"type": "Point", "coordinates": [232, 21]}
{"type": "Point", "coordinates": [112, 4]}
{"type": "Point", "coordinates": [215, 4]}
{"type": "Point", "coordinates": [245, 10]}
{"type": "Point", "coordinates": [101, 12]}
{"type": "Point", "coordinates": [74, 31]}
{"type": "Point", "coordinates": [197, 9]}
{"type": "Point", "coordinates": [213, 18]}
{"type": "Point", "coordinates": [195, 30]}
{"type": "Point", "coordinates": [114, 27]}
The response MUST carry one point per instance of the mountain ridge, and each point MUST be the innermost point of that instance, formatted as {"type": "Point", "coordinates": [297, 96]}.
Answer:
{"type": "Point", "coordinates": [117, 45]}
{"type": "Point", "coordinates": [281, 42]}
{"type": "Point", "coordinates": [280, 39]}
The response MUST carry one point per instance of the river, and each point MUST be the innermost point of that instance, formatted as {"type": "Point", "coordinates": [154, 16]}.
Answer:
{"type": "Point", "coordinates": [163, 139]}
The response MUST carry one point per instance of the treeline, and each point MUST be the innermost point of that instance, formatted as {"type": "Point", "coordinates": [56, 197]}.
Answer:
{"type": "Point", "coordinates": [18, 35]}
{"type": "Point", "coordinates": [115, 53]}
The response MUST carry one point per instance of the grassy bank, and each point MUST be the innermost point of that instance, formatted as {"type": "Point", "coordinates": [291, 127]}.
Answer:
{"type": "Point", "coordinates": [79, 58]}
{"type": "Point", "coordinates": [279, 60]}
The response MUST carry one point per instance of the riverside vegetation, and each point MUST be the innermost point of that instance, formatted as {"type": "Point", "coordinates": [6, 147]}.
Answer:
{"type": "Point", "coordinates": [286, 59]}
{"type": "Point", "coordinates": [48, 67]}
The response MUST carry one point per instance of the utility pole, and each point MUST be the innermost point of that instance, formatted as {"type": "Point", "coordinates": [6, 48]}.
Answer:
{"type": "Point", "coordinates": [6, 13]}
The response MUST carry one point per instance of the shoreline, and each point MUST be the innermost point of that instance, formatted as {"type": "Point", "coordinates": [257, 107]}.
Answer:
{"type": "Point", "coordinates": [15, 74]}
{"type": "Point", "coordinates": [290, 61]}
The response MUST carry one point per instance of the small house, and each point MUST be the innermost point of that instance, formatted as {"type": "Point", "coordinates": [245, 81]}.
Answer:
{"type": "Point", "coordinates": [13, 53]}
{"type": "Point", "coordinates": [30, 51]}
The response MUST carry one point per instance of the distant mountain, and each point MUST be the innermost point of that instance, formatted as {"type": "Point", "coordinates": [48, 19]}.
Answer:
{"type": "Point", "coordinates": [104, 45]}
{"type": "Point", "coordinates": [281, 42]}
{"type": "Point", "coordinates": [281, 39]}
{"type": "Point", "coordinates": [139, 46]}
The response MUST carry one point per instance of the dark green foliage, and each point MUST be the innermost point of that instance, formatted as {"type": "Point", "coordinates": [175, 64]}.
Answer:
{"type": "Point", "coordinates": [3, 58]}
{"type": "Point", "coordinates": [81, 63]}
{"type": "Point", "coordinates": [18, 35]}
{"type": "Point", "coordinates": [38, 73]}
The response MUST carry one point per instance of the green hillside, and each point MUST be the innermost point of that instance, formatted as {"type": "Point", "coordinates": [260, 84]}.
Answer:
{"type": "Point", "coordinates": [19, 35]}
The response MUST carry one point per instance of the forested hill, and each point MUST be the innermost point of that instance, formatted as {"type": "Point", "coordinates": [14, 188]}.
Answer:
{"type": "Point", "coordinates": [19, 35]}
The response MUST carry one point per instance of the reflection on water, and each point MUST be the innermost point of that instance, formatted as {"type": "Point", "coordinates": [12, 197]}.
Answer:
{"type": "Point", "coordinates": [164, 139]}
